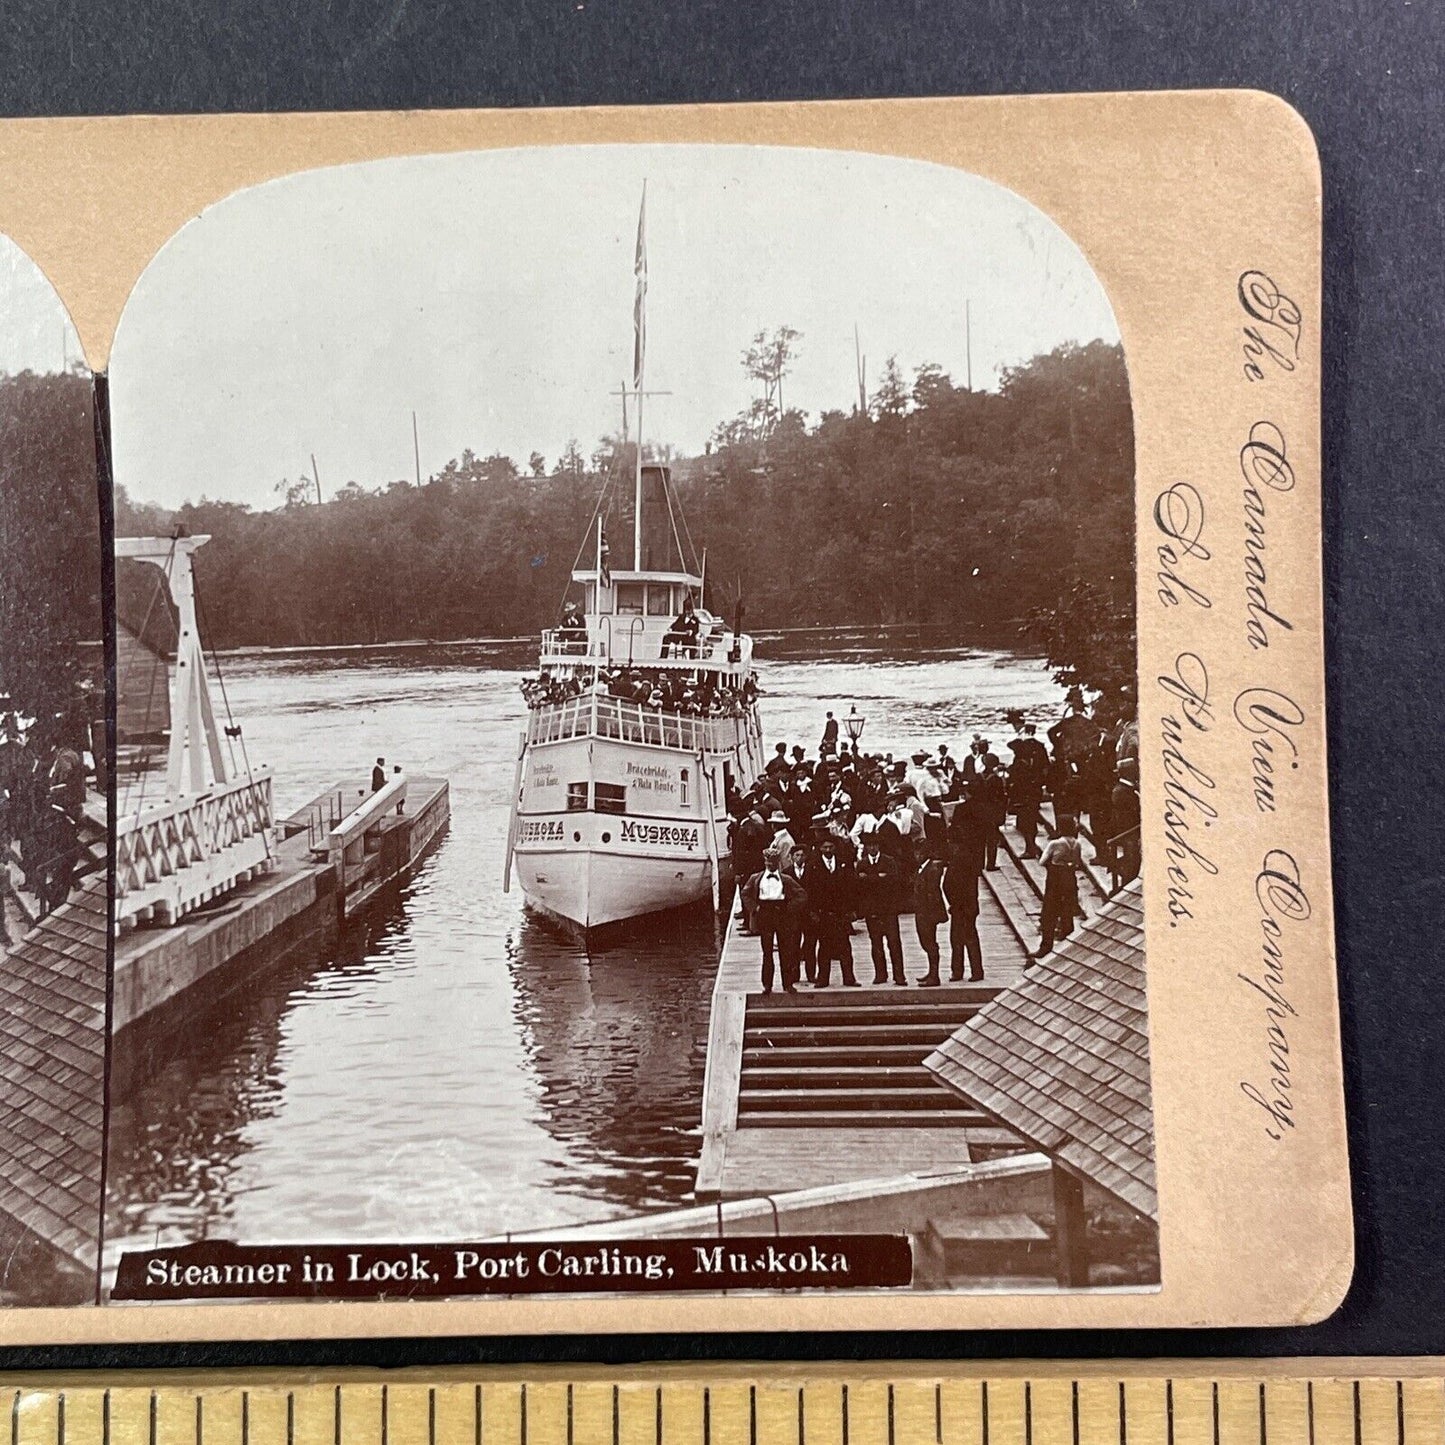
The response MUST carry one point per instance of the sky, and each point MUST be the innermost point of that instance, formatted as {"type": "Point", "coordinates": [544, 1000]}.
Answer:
{"type": "Point", "coordinates": [36, 333]}
{"type": "Point", "coordinates": [491, 293]}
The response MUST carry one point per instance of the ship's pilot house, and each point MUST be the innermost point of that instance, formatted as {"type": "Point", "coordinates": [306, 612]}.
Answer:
{"type": "Point", "coordinates": [644, 617]}
{"type": "Point", "coordinates": [651, 614]}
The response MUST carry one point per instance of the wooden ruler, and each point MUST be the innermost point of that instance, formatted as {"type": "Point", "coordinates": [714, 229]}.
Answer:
{"type": "Point", "coordinates": [1301, 1402]}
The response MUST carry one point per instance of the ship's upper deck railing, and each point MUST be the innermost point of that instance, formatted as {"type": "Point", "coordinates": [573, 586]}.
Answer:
{"type": "Point", "coordinates": [635, 641]}
{"type": "Point", "coordinates": [597, 715]}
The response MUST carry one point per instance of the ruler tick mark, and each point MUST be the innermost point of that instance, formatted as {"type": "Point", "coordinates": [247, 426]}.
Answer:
{"type": "Point", "coordinates": [431, 1416]}
{"type": "Point", "coordinates": [1169, 1411]}
{"type": "Point", "coordinates": [1356, 1393]}
{"type": "Point", "coordinates": [1400, 1412]}
{"type": "Point", "coordinates": [246, 1418]}
{"type": "Point", "coordinates": [1310, 1409]}
{"type": "Point", "coordinates": [1214, 1396]}
{"type": "Point", "coordinates": [570, 1415]}
{"type": "Point", "coordinates": [1263, 1422]}
{"type": "Point", "coordinates": [845, 1415]}
{"type": "Point", "coordinates": [707, 1411]}
{"type": "Point", "coordinates": [336, 1416]}
{"type": "Point", "coordinates": [1074, 1407]}
{"type": "Point", "coordinates": [1123, 1418]}
{"type": "Point", "coordinates": [657, 1416]}
{"type": "Point", "coordinates": [1028, 1413]}
{"type": "Point", "coordinates": [60, 1419]}
{"type": "Point", "coordinates": [153, 1418]}
{"type": "Point", "coordinates": [15, 1417]}
{"type": "Point", "coordinates": [983, 1408]}
{"type": "Point", "coordinates": [802, 1431]}
{"type": "Point", "coordinates": [616, 1416]}
{"type": "Point", "coordinates": [890, 1415]}
{"type": "Point", "coordinates": [477, 1416]}
{"type": "Point", "coordinates": [200, 1418]}
{"type": "Point", "coordinates": [290, 1417]}
{"type": "Point", "coordinates": [752, 1415]}
{"type": "Point", "coordinates": [937, 1414]}
{"type": "Point", "coordinates": [522, 1408]}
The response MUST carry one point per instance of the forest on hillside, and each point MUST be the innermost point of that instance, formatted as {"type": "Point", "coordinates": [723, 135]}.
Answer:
{"type": "Point", "coordinates": [50, 545]}
{"type": "Point", "coordinates": [937, 505]}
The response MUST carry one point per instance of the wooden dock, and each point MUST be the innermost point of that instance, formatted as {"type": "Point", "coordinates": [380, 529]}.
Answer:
{"type": "Point", "coordinates": [304, 892]}
{"type": "Point", "coordinates": [827, 1087]}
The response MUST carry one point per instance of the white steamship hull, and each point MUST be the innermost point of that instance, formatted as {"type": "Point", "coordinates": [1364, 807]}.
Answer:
{"type": "Point", "coordinates": [621, 811]}
{"type": "Point", "coordinates": [589, 890]}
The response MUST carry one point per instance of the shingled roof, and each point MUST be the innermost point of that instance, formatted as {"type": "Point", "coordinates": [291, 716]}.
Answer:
{"type": "Point", "coordinates": [1063, 1057]}
{"type": "Point", "coordinates": [52, 1075]}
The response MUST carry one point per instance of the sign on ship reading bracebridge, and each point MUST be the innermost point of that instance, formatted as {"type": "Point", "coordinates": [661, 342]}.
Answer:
{"type": "Point", "coordinates": [218, 1270]}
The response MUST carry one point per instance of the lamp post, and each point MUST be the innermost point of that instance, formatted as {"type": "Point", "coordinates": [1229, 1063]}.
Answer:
{"type": "Point", "coordinates": [854, 723]}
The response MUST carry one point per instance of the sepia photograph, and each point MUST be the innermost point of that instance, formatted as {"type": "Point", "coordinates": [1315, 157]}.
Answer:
{"type": "Point", "coordinates": [53, 802]}
{"type": "Point", "coordinates": [626, 715]}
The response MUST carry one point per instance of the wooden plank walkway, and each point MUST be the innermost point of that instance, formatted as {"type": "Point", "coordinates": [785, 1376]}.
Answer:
{"type": "Point", "coordinates": [778, 1161]}
{"type": "Point", "coordinates": [825, 1087]}
{"type": "Point", "coordinates": [52, 1076]}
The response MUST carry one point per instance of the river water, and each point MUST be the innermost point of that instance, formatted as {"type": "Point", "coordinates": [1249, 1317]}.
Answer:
{"type": "Point", "coordinates": [455, 1068]}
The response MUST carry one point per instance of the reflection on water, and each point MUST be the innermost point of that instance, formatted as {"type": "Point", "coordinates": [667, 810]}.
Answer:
{"type": "Point", "coordinates": [616, 1043]}
{"type": "Point", "coordinates": [457, 1068]}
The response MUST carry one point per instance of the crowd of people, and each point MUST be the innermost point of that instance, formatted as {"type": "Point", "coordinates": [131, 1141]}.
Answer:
{"type": "Point", "coordinates": [702, 693]}
{"type": "Point", "coordinates": [547, 689]}
{"type": "Point", "coordinates": [819, 843]}
{"type": "Point", "coordinates": [42, 803]}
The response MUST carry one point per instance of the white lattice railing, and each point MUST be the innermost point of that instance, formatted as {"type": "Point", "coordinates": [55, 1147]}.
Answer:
{"type": "Point", "coordinates": [174, 856]}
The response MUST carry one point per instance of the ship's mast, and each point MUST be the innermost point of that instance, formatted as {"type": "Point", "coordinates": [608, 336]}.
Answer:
{"type": "Point", "coordinates": [639, 356]}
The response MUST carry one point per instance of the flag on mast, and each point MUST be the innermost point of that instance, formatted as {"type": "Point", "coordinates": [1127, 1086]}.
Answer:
{"type": "Point", "coordinates": [639, 305]}
{"type": "Point", "coordinates": [604, 570]}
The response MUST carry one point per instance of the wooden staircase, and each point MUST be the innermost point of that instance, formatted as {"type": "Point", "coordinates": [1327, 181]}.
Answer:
{"type": "Point", "coordinates": [827, 1088]}
{"type": "Point", "coordinates": [853, 1059]}
{"type": "Point", "coordinates": [1018, 882]}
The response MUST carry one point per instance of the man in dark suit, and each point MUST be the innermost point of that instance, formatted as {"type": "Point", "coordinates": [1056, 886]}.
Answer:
{"type": "Point", "coordinates": [1026, 780]}
{"type": "Point", "coordinates": [777, 899]}
{"type": "Point", "coordinates": [992, 794]}
{"type": "Point", "coordinates": [750, 837]}
{"type": "Point", "coordinates": [802, 941]}
{"type": "Point", "coordinates": [968, 833]}
{"type": "Point", "coordinates": [1125, 815]}
{"type": "Point", "coordinates": [829, 746]}
{"type": "Point", "coordinates": [830, 886]}
{"type": "Point", "coordinates": [960, 891]}
{"type": "Point", "coordinates": [880, 899]}
{"type": "Point", "coordinates": [680, 640]}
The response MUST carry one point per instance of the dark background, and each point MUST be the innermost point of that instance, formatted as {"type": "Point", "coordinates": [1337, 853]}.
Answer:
{"type": "Point", "coordinates": [1369, 76]}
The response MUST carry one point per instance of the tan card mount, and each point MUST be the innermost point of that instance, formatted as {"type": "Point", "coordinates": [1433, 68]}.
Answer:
{"type": "Point", "coordinates": [719, 722]}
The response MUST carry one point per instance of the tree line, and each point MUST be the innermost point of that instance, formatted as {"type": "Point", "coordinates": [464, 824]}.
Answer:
{"type": "Point", "coordinates": [976, 512]}
{"type": "Point", "coordinates": [50, 541]}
